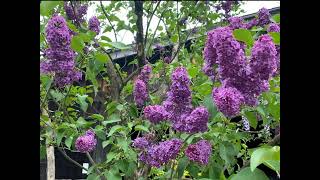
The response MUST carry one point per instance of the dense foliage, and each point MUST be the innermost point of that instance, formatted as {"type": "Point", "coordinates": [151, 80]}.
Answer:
{"type": "Point", "coordinates": [207, 108]}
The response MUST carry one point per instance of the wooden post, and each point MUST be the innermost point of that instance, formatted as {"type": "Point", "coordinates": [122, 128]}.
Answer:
{"type": "Point", "coordinates": [51, 170]}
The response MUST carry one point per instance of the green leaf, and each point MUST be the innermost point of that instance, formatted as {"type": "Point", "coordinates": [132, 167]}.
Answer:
{"type": "Point", "coordinates": [112, 119]}
{"type": "Point", "coordinates": [111, 107]}
{"type": "Point", "coordinates": [276, 37]}
{"type": "Point", "coordinates": [93, 176]}
{"type": "Point", "coordinates": [243, 35]}
{"type": "Point", "coordinates": [133, 62]}
{"type": "Point", "coordinates": [77, 44]}
{"type": "Point", "coordinates": [92, 77]}
{"type": "Point", "coordinates": [215, 170]}
{"type": "Point", "coordinates": [251, 116]}
{"type": "Point", "coordinates": [101, 57]}
{"type": "Point", "coordinates": [193, 169]}
{"type": "Point", "coordinates": [141, 128]}
{"type": "Point", "coordinates": [133, 111]}
{"type": "Point", "coordinates": [110, 156]}
{"type": "Point", "coordinates": [58, 96]}
{"type": "Point", "coordinates": [276, 18]}
{"type": "Point", "coordinates": [114, 129]}
{"type": "Point", "coordinates": [98, 117]}
{"type": "Point", "coordinates": [120, 107]}
{"type": "Point", "coordinates": [81, 122]}
{"type": "Point", "coordinates": [113, 175]}
{"type": "Point", "coordinates": [204, 89]}
{"type": "Point", "coordinates": [227, 152]}
{"type": "Point", "coordinates": [90, 169]}
{"type": "Point", "coordinates": [105, 38]}
{"type": "Point", "coordinates": [46, 7]}
{"type": "Point", "coordinates": [82, 102]}
{"type": "Point", "coordinates": [117, 45]}
{"type": "Point", "coordinates": [193, 71]}
{"type": "Point", "coordinates": [100, 132]}
{"type": "Point", "coordinates": [91, 34]}
{"type": "Point", "coordinates": [46, 81]}
{"type": "Point", "coordinates": [209, 104]}
{"type": "Point", "coordinates": [183, 163]}
{"type": "Point", "coordinates": [262, 155]}
{"type": "Point", "coordinates": [261, 111]}
{"type": "Point", "coordinates": [174, 38]}
{"type": "Point", "coordinates": [106, 143]}
{"type": "Point", "coordinates": [247, 174]}
{"type": "Point", "coordinates": [131, 169]}
{"type": "Point", "coordinates": [59, 137]}
{"type": "Point", "coordinates": [84, 37]}
{"type": "Point", "coordinates": [72, 27]}
{"type": "Point", "coordinates": [68, 141]}
{"type": "Point", "coordinates": [274, 165]}
{"type": "Point", "coordinates": [123, 143]}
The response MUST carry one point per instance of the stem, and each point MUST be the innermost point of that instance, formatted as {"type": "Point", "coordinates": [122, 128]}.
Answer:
{"type": "Point", "coordinates": [187, 138]}
{"type": "Point", "coordinates": [112, 26]}
{"type": "Point", "coordinates": [148, 23]}
{"type": "Point", "coordinates": [275, 140]}
{"type": "Point", "coordinates": [94, 164]}
{"type": "Point", "coordinates": [154, 34]}
{"type": "Point", "coordinates": [70, 159]}
{"type": "Point", "coordinates": [172, 170]}
{"type": "Point", "coordinates": [75, 15]}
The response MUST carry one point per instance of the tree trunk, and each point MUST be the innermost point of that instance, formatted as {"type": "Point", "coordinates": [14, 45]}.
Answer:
{"type": "Point", "coordinates": [138, 9]}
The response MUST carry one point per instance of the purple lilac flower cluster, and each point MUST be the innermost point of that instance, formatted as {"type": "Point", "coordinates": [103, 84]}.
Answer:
{"type": "Point", "coordinates": [145, 73]}
{"type": "Point", "coordinates": [236, 23]}
{"type": "Point", "coordinates": [199, 152]}
{"type": "Point", "coordinates": [155, 113]}
{"type": "Point", "coordinates": [228, 100]}
{"type": "Point", "coordinates": [274, 27]}
{"type": "Point", "coordinates": [159, 154]}
{"type": "Point", "coordinates": [140, 92]}
{"type": "Point", "coordinates": [141, 143]}
{"type": "Point", "coordinates": [94, 24]}
{"type": "Point", "coordinates": [87, 142]}
{"type": "Point", "coordinates": [242, 80]}
{"type": "Point", "coordinates": [178, 108]}
{"type": "Point", "coordinates": [210, 57]}
{"type": "Point", "coordinates": [195, 122]}
{"type": "Point", "coordinates": [263, 17]}
{"type": "Point", "coordinates": [59, 56]}
{"type": "Point", "coordinates": [76, 13]}
{"type": "Point", "coordinates": [226, 6]}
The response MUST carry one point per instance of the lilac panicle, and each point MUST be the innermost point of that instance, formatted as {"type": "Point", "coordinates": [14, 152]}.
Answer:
{"type": "Point", "coordinates": [228, 100]}
{"type": "Point", "coordinates": [145, 73]}
{"type": "Point", "coordinates": [59, 56]}
{"type": "Point", "coordinates": [263, 17]}
{"type": "Point", "coordinates": [94, 24]}
{"type": "Point", "coordinates": [155, 113]}
{"type": "Point", "coordinates": [140, 93]}
{"type": "Point", "coordinates": [87, 142]}
{"type": "Point", "coordinates": [236, 23]}
{"type": "Point", "coordinates": [199, 152]}
{"type": "Point", "coordinates": [162, 153]}
{"type": "Point", "coordinates": [141, 143]}
{"type": "Point", "coordinates": [263, 58]}
{"type": "Point", "coordinates": [195, 122]}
